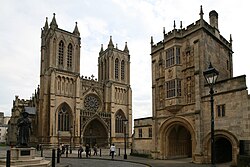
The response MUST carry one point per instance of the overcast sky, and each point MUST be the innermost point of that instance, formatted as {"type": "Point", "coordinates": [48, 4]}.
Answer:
{"type": "Point", "coordinates": [132, 21]}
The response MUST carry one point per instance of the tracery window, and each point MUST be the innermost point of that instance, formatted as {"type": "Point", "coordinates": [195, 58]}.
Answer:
{"type": "Point", "coordinates": [63, 119]}
{"type": "Point", "coordinates": [119, 124]}
{"type": "Point", "coordinates": [60, 53]}
{"type": "Point", "coordinates": [69, 56]}
{"type": "Point", "coordinates": [91, 103]}
{"type": "Point", "coordinates": [116, 68]}
{"type": "Point", "coordinates": [122, 70]}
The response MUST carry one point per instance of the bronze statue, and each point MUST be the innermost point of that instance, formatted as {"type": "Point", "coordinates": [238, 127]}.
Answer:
{"type": "Point", "coordinates": [24, 130]}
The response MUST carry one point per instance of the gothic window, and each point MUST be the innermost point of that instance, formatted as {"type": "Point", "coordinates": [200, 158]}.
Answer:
{"type": "Point", "coordinates": [116, 68]}
{"type": "Point", "coordinates": [221, 110]}
{"type": "Point", "coordinates": [63, 119]}
{"type": "Point", "coordinates": [91, 103]}
{"type": "Point", "coordinates": [140, 132]}
{"type": "Point", "coordinates": [69, 56]}
{"type": "Point", "coordinates": [173, 88]}
{"type": "Point", "coordinates": [119, 124]}
{"type": "Point", "coordinates": [60, 53]}
{"type": "Point", "coordinates": [122, 70]}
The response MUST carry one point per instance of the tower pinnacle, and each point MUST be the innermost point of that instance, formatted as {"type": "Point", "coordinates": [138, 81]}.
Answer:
{"type": "Point", "coordinates": [53, 23]}
{"type": "Point", "coordinates": [110, 45]}
{"type": "Point", "coordinates": [76, 31]}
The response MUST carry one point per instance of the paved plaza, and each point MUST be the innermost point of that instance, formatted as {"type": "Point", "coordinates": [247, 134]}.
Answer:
{"type": "Point", "coordinates": [105, 160]}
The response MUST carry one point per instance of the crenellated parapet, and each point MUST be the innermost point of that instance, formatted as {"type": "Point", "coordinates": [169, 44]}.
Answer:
{"type": "Point", "coordinates": [211, 28]}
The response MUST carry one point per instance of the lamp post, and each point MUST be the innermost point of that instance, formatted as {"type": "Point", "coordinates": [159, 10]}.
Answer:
{"type": "Point", "coordinates": [71, 129]}
{"type": "Point", "coordinates": [211, 75]}
{"type": "Point", "coordinates": [125, 138]}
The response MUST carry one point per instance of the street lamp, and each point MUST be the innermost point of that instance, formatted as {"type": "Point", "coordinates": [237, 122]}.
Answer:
{"type": "Point", "coordinates": [211, 74]}
{"type": "Point", "coordinates": [71, 129]}
{"type": "Point", "coordinates": [125, 138]}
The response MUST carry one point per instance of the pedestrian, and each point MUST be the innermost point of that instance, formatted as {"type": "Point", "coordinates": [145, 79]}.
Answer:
{"type": "Point", "coordinates": [87, 150]}
{"type": "Point", "coordinates": [95, 149]}
{"type": "Point", "coordinates": [112, 151]}
{"type": "Point", "coordinates": [80, 150]}
{"type": "Point", "coordinates": [63, 149]}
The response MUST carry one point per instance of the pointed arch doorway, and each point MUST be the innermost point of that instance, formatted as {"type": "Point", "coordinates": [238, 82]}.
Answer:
{"type": "Point", "coordinates": [95, 133]}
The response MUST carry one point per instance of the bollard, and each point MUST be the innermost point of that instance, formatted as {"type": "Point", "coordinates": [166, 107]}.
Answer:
{"type": "Point", "coordinates": [53, 157]}
{"type": "Point", "coordinates": [100, 152]}
{"type": "Point", "coordinates": [8, 158]}
{"type": "Point", "coordinates": [119, 152]}
{"type": "Point", "coordinates": [58, 155]}
{"type": "Point", "coordinates": [41, 152]}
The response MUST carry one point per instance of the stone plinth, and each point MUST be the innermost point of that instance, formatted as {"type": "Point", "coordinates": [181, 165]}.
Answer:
{"type": "Point", "coordinates": [25, 157]}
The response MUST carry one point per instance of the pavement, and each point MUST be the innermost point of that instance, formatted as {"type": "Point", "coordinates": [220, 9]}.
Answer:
{"type": "Point", "coordinates": [72, 160]}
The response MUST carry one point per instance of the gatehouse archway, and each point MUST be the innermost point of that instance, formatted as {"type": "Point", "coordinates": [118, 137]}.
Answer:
{"type": "Point", "coordinates": [176, 139]}
{"type": "Point", "coordinates": [223, 150]}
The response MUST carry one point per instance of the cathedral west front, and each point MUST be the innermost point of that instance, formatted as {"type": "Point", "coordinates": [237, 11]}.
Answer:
{"type": "Point", "coordinates": [72, 109]}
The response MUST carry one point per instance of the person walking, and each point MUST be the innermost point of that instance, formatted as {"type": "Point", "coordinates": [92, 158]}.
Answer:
{"type": "Point", "coordinates": [95, 149]}
{"type": "Point", "coordinates": [87, 150]}
{"type": "Point", "coordinates": [112, 151]}
{"type": "Point", "coordinates": [80, 150]}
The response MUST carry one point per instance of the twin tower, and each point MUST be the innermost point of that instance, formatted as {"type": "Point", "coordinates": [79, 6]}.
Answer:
{"type": "Point", "coordinates": [82, 110]}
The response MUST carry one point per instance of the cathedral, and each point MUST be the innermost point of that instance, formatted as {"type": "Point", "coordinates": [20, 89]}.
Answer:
{"type": "Point", "coordinates": [72, 109]}
{"type": "Point", "coordinates": [180, 125]}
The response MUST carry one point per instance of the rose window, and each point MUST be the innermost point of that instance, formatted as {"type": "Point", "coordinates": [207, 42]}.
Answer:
{"type": "Point", "coordinates": [91, 103]}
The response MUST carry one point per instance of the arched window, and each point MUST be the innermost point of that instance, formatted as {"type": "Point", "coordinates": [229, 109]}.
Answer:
{"type": "Point", "coordinates": [122, 70]}
{"type": "Point", "coordinates": [63, 119]}
{"type": "Point", "coordinates": [69, 56]}
{"type": "Point", "coordinates": [119, 124]}
{"type": "Point", "coordinates": [116, 68]}
{"type": "Point", "coordinates": [60, 53]}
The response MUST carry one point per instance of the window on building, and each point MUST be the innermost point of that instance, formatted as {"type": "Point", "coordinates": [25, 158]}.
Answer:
{"type": "Point", "coordinates": [60, 53]}
{"type": "Point", "coordinates": [140, 132]}
{"type": "Point", "coordinates": [116, 68]}
{"type": "Point", "coordinates": [173, 56]}
{"type": "Point", "coordinates": [173, 88]}
{"type": "Point", "coordinates": [149, 132]}
{"type": "Point", "coordinates": [170, 57]}
{"type": "Point", "coordinates": [69, 56]}
{"type": "Point", "coordinates": [221, 110]}
{"type": "Point", "coordinates": [63, 119]}
{"type": "Point", "coordinates": [119, 123]}
{"type": "Point", "coordinates": [122, 70]}
{"type": "Point", "coordinates": [178, 55]}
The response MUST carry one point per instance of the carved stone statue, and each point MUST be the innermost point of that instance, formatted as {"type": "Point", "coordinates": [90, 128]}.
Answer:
{"type": "Point", "coordinates": [24, 130]}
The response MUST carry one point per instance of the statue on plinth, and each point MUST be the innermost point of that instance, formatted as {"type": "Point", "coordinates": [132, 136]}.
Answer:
{"type": "Point", "coordinates": [24, 130]}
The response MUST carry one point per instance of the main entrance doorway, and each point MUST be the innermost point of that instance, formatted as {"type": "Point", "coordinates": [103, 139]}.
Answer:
{"type": "Point", "coordinates": [179, 142]}
{"type": "Point", "coordinates": [95, 133]}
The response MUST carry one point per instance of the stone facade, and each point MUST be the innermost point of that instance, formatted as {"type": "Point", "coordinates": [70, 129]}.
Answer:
{"type": "Point", "coordinates": [73, 109]}
{"type": "Point", "coordinates": [181, 117]}
{"type": "Point", "coordinates": [3, 127]}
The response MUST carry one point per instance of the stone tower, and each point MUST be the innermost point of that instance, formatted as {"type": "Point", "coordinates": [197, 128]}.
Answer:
{"type": "Point", "coordinates": [114, 73]}
{"type": "Point", "coordinates": [181, 111]}
{"type": "Point", "coordinates": [59, 78]}
{"type": "Point", "coordinates": [74, 109]}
